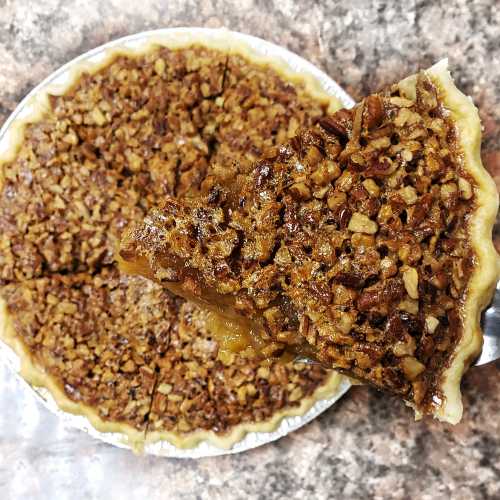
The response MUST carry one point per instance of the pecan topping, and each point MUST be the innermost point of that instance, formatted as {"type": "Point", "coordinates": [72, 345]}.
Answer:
{"type": "Point", "coordinates": [339, 124]}
{"type": "Point", "coordinates": [373, 111]}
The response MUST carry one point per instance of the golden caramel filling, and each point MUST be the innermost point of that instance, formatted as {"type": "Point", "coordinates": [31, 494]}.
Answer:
{"type": "Point", "coordinates": [138, 267]}
{"type": "Point", "coordinates": [234, 333]}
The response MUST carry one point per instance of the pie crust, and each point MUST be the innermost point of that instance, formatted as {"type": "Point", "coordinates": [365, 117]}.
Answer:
{"type": "Point", "coordinates": [237, 433]}
{"type": "Point", "coordinates": [482, 284]}
{"type": "Point", "coordinates": [35, 110]}
{"type": "Point", "coordinates": [35, 374]}
{"type": "Point", "coordinates": [261, 245]}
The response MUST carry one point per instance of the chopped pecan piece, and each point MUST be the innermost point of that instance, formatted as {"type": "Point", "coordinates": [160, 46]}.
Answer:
{"type": "Point", "coordinates": [339, 124]}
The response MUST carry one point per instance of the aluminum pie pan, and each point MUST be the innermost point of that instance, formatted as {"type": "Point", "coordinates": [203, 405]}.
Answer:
{"type": "Point", "coordinates": [60, 78]}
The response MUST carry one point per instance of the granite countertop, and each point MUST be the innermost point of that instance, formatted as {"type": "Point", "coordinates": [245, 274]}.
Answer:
{"type": "Point", "coordinates": [366, 446]}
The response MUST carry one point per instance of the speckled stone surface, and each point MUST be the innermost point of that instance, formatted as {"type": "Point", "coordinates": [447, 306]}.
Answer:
{"type": "Point", "coordinates": [367, 446]}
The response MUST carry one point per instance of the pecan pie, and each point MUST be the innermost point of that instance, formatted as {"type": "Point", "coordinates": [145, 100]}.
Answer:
{"type": "Point", "coordinates": [366, 238]}
{"type": "Point", "coordinates": [123, 352]}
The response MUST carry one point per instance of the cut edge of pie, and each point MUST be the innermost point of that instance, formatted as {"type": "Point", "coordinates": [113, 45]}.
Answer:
{"type": "Point", "coordinates": [481, 285]}
{"type": "Point", "coordinates": [34, 110]}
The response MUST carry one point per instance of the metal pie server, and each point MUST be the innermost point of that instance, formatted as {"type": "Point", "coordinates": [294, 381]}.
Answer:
{"type": "Point", "coordinates": [491, 331]}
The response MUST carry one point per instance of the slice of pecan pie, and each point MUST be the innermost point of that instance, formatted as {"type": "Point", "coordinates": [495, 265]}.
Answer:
{"type": "Point", "coordinates": [93, 157]}
{"type": "Point", "coordinates": [367, 237]}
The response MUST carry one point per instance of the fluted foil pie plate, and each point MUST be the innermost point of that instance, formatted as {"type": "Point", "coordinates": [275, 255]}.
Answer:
{"type": "Point", "coordinates": [62, 77]}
